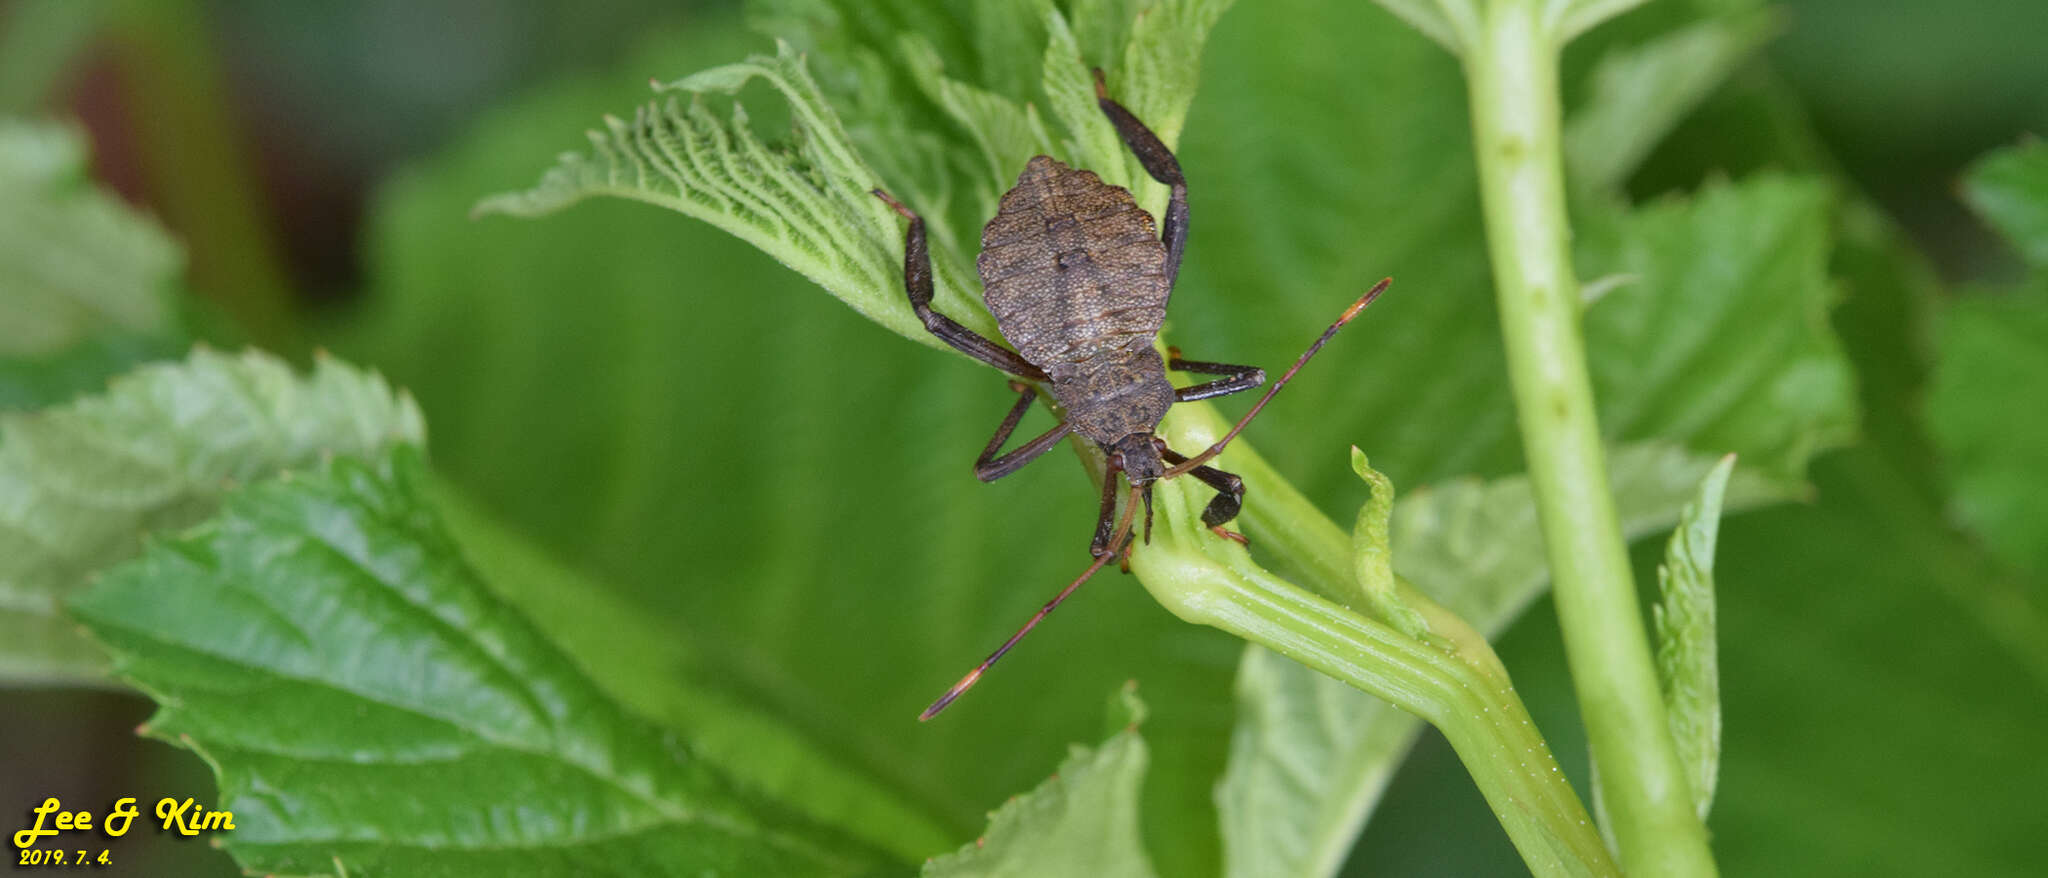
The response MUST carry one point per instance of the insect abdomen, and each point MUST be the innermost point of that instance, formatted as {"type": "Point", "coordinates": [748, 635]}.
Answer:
{"type": "Point", "coordinates": [1072, 269]}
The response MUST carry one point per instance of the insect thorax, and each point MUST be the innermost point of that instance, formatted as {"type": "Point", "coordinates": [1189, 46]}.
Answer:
{"type": "Point", "coordinates": [1116, 395]}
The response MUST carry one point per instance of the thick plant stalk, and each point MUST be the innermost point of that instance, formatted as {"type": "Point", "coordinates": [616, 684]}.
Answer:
{"type": "Point", "coordinates": [1511, 67]}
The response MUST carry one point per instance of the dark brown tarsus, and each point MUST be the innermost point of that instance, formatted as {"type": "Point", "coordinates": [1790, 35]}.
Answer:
{"type": "Point", "coordinates": [1078, 283]}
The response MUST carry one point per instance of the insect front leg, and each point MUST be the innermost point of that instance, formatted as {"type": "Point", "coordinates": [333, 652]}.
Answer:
{"type": "Point", "coordinates": [1160, 163]}
{"type": "Point", "coordinates": [989, 467]}
{"type": "Point", "coordinates": [1105, 523]}
{"type": "Point", "coordinates": [917, 281]}
{"type": "Point", "coordinates": [1236, 378]}
{"type": "Point", "coordinates": [1229, 498]}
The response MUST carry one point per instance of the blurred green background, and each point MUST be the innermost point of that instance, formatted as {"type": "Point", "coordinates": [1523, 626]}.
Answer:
{"type": "Point", "coordinates": [664, 407]}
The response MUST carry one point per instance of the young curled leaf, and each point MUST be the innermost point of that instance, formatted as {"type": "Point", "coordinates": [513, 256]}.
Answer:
{"type": "Point", "coordinates": [1688, 663]}
{"type": "Point", "coordinates": [1372, 546]}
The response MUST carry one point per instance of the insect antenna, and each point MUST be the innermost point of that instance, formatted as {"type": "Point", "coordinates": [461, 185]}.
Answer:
{"type": "Point", "coordinates": [1213, 450]}
{"type": "Point", "coordinates": [1117, 543]}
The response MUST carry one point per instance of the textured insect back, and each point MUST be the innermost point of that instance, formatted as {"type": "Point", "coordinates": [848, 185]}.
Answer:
{"type": "Point", "coordinates": [1071, 267]}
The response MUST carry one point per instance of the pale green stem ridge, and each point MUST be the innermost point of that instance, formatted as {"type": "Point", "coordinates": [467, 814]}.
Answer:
{"type": "Point", "coordinates": [1512, 72]}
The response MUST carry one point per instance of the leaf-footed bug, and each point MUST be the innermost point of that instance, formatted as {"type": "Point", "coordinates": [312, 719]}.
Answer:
{"type": "Point", "coordinates": [1078, 282]}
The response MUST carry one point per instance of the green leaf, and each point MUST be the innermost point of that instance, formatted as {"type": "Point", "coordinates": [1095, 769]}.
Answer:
{"type": "Point", "coordinates": [1688, 663]}
{"type": "Point", "coordinates": [1082, 821]}
{"type": "Point", "coordinates": [75, 261]}
{"type": "Point", "coordinates": [2010, 188]}
{"type": "Point", "coordinates": [1455, 23]}
{"type": "Point", "coordinates": [1640, 92]}
{"type": "Point", "coordinates": [1575, 17]}
{"type": "Point", "coordinates": [809, 207]}
{"type": "Point", "coordinates": [1848, 650]}
{"type": "Point", "coordinates": [1070, 94]}
{"type": "Point", "coordinates": [1984, 413]}
{"type": "Point", "coordinates": [1983, 400]}
{"type": "Point", "coordinates": [1309, 759]}
{"type": "Point", "coordinates": [1007, 134]}
{"type": "Point", "coordinates": [647, 669]}
{"type": "Point", "coordinates": [1447, 23]}
{"type": "Point", "coordinates": [1861, 629]}
{"type": "Point", "coordinates": [1153, 75]}
{"type": "Point", "coordinates": [1161, 64]}
{"type": "Point", "coordinates": [470, 745]}
{"type": "Point", "coordinates": [30, 383]}
{"type": "Point", "coordinates": [1722, 337]}
{"type": "Point", "coordinates": [1482, 541]}
{"type": "Point", "coordinates": [82, 484]}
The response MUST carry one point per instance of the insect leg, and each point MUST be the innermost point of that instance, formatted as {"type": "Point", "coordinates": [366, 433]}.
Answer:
{"type": "Point", "coordinates": [1160, 163]}
{"type": "Point", "coordinates": [1229, 493]}
{"type": "Point", "coordinates": [1237, 378]}
{"type": "Point", "coordinates": [917, 281]}
{"type": "Point", "coordinates": [989, 467]}
{"type": "Point", "coordinates": [1106, 521]}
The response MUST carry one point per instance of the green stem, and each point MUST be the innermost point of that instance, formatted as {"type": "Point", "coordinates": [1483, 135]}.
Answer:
{"type": "Point", "coordinates": [1511, 65]}
{"type": "Point", "coordinates": [1458, 686]}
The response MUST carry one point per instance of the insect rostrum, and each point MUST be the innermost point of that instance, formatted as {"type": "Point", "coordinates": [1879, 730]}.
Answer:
{"type": "Point", "coordinates": [1078, 279]}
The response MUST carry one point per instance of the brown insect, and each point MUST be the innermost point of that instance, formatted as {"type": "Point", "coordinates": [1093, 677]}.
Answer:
{"type": "Point", "coordinates": [1078, 280]}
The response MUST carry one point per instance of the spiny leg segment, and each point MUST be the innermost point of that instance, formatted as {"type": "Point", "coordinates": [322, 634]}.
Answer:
{"type": "Point", "coordinates": [989, 467]}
